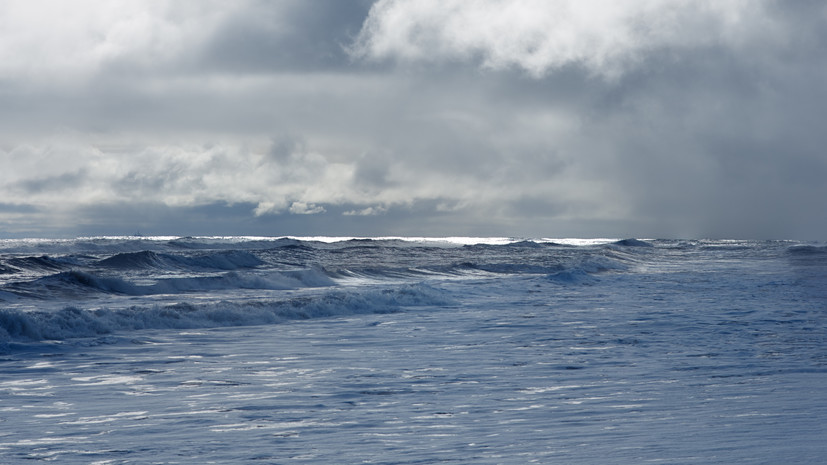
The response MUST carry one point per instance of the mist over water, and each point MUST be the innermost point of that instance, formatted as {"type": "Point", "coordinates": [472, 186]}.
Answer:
{"type": "Point", "coordinates": [412, 350]}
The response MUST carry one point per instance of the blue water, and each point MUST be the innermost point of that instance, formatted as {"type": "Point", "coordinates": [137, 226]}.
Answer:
{"type": "Point", "coordinates": [264, 350]}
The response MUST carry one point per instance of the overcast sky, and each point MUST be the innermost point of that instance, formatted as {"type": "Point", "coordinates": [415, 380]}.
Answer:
{"type": "Point", "coordinates": [530, 118]}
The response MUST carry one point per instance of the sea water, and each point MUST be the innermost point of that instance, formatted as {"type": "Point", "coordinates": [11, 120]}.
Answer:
{"type": "Point", "coordinates": [412, 350]}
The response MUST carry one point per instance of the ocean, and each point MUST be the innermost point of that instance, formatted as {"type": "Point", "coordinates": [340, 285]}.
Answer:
{"type": "Point", "coordinates": [179, 350]}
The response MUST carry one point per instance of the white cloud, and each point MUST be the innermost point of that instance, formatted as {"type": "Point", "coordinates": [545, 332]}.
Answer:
{"type": "Point", "coordinates": [303, 208]}
{"type": "Point", "coordinates": [539, 36]}
{"type": "Point", "coordinates": [66, 43]}
{"type": "Point", "coordinates": [63, 175]}
{"type": "Point", "coordinates": [73, 40]}
{"type": "Point", "coordinates": [369, 211]}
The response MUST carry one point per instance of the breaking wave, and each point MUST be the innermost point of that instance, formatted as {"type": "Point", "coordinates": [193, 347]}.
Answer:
{"type": "Point", "coordinates": [73, 322]}
{"type": "Point", "coordinates": [77, 282]}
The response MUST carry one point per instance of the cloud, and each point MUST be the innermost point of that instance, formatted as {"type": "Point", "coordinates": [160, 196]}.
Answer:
{"type": "Point", "coordinates": [294, 35]}
{"type": "Point", "coordinates": [369, 211]}
{"type": "Point", "coordinates": [648, 118]}
{"type": "Point", "coordinates": [302, 208]}
{"type": "Point", "coordinates": [174, 175]}
{"type": "Point", "coordinates": [540, 36]}
{"type": "Point", "coordinates": [69, 42]}
{"type": "Point", "coordinates": [50, 42]}
{"type": "Point", "coordinates": [62, 182]}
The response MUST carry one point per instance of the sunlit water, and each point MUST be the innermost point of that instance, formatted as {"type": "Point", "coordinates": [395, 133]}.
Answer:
{"type": "Point", "coordinates": [415, 352]}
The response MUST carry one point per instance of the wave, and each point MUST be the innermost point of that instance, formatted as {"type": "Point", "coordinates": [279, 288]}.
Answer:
{"type": "Point", "coordinates": [77, 283]}
{"type": "Point", "coordinates": [587, 267]}
{"type": "Point", "coordinates": [524, 244]}
{"type": "Point", "coordinates": [632, 242]}
{"type": "Point", "coordinates": [512, 268]}
{"type": "Point", "coordinates": [225, 260]}
{"type": "Point", "coordinates": [576, 276]}
{"type": "Point", "coordinates": [7, 270]}
{"type": "Point", "coordinates": [181, 265]}
{"type": "Point", "coordinates": [204, 243]}
{"type": "Point", "coordinates": [73, 322]}
{"type": "Point", "coordinates": [807, 250]}
{"type": "Point", "coordinates": [41, 263]}
{"type": "Point", "coordinates": [485, 260]}
{"type": "Point", "coordinates": [137, 260]}
{"type": "Point", "coordinates": [391, 273]}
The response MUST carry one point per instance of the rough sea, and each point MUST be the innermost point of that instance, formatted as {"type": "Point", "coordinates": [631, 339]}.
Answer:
{"type": "Point", "coordinates": [164, 350]}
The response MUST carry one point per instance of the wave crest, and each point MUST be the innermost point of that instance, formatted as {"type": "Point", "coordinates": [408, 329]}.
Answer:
{"type": "Point", "coordinates": [225, 260]}
{"type": "Point", "coordinates": [75, 283]}
{"type": "Point", "coordinates": [72, 322]}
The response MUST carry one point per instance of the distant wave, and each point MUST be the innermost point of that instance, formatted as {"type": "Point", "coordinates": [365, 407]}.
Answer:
{"type": "Point", "coordinates": [632, 242]}
{"type": "Point", "coordinates": [579, 265]}
{"type": "Point", "coordinates": [510, 245]}
{"type": "Point", "coordinates": [126, 244]}
{"type": "Point", "coordinates": [72, 322]}
{"type": "Point", "coordinates": [201, 243]}
{"type": "Point", "coordinates": [804, 250]}
{"type": "Point", "coordinates": [225, 260]}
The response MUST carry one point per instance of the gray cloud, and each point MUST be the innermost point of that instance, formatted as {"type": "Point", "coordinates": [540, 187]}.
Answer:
{"type": "Point", "coordinates": [409, 117]}
{"type": "Point", "coordinates": [293, 36]}
{"type": "Point", "coordinates": [9, 208]}
{"type": "Point", "coordinates": [59, 183]}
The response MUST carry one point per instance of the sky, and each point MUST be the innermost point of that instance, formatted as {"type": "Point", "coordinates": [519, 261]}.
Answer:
{"type": "Point", "coordinates": [523, 118]}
